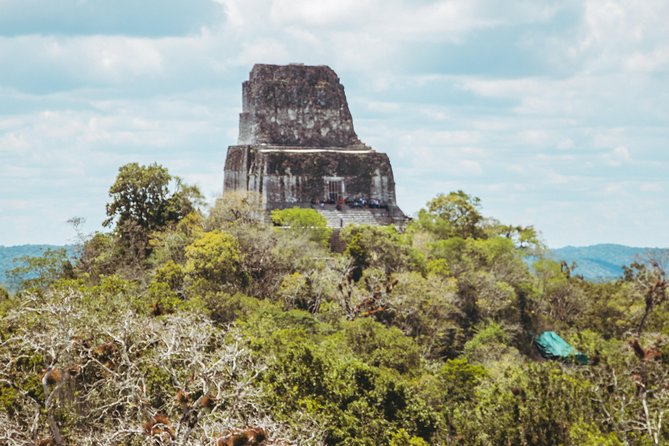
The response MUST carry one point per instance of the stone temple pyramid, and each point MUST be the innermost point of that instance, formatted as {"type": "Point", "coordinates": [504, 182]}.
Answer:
{"type": "Point", "coordinates": [297, 147]}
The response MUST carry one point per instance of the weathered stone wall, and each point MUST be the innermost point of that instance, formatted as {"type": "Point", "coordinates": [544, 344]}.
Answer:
{"type": "Point", "coordinates": [299, 177]}
{"type": "Point", "coordinates": [295, 105]}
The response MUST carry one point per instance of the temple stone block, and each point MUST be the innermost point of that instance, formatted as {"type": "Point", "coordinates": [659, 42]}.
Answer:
{"type": "Point", "coordinates": [297, 145]}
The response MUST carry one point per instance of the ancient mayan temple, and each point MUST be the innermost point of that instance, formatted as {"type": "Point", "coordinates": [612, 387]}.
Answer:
{"type": "Point", "coordinates": [297, 147]}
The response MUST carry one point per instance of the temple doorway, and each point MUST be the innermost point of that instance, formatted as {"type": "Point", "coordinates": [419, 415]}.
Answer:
{"type": "Point", "coordinates": [334, 189]}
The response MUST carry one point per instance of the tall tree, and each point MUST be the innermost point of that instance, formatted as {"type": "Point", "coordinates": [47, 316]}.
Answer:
{"type": "Point", "coordinates": [453, 215]}
{"type": "Point", "coordinates": [146, 199]}
{"type": "Point", "coordinates": [141, 195]}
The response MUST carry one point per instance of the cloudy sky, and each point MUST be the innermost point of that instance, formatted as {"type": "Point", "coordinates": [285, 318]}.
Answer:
{"type": "Point", "coordinates": [555, 113]}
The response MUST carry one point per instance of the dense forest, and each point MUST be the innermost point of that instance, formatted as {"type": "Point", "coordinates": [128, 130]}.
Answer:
{"type": "Point", "coordinates": [177, 324]}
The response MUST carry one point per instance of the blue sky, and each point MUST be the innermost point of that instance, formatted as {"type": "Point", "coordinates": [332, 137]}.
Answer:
{"type": "Point", "coordinates": [554, 113]}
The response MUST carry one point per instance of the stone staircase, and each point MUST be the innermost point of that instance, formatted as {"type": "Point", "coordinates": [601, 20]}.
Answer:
{"type": "Point", "coordinates": [355, 216]}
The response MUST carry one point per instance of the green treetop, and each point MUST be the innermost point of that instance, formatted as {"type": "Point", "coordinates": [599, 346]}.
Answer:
{"type": "Point", "coordinates": [141, 195]}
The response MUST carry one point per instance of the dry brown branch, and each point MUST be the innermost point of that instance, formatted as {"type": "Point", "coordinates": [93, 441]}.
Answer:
{"type": "Point", "coordinates": [120, 369]}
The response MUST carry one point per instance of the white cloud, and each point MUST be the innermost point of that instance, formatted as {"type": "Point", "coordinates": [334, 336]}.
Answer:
{"type": "Point", "coordinates": [619, 155]}
{"type": "Point", "coordinates": [265, 50]}
{"type": "Point", "coordinates": [468, 167]}
{"type": "Point", "coordinates": [615, 33]}
{"type": "Point", "coordinates": [383, 107]}
{"type": "Point", "coordinates": [608, 137]}
{"type": "Point", "coordinates": [650, 62]}
{"type": "Point", "coordinates": [586, 91]}
{"type": "Point", "coordinates": [446, 138]}
{"type": "Point", "coordinates": [322, 13]}
{"type": "Point", "coordinates": [15, 205]}
{"type": "Point", "coordinates": [565, 144]}
{"type": "Point", "coordinates": [115, 59]}
{"type": "Point", "coordinates": [14, 142]}
{"type": "Point", "coordinates": [369, 36]}
{"type": "Point", "coordinates": [652, 187]}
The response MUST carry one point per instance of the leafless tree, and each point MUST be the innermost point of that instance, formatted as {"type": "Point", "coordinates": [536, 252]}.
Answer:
{"type": "Point", "coordinates": [128, 378]}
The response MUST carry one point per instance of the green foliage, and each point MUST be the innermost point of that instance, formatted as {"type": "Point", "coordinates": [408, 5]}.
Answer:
{"type": "Point", "coordinates": [235, 208]}
{"type": "Point", "coordinates": [100, 256]}
{"type": "Point", "coordinates": [295, 251]}
{"type": "Point", "coordinates": [382, 347]}
{"type": "Point", "coordinates": [158, 383]}
{"type": "Point", "coordinates": [452, 253]}
{"type": "Point", "coordinates": [402, 438]}
{"type": "Point", "coordinates": [562, 298]}
{"type": "Point", "coordinates": [458, 380]}
{"type": "Point", "coordinates": [611, 309]}
{"type": "Point", "coordinates": [376, 247]}
{"type": "Point", "coordinates": [357, 403]}
{"type": "Point", "coordinates": [302, 220]}
{"type": "Point", "coordinates": [161, 299]}
{"type": "Point", "coordinates": [26, 370]}
{"type": "Point", "coordinates": [172, 275]}
{"type": "Point", "coordinates": [489, 344]}
{"type": "Point", "coordinates": [426, 309]}
{"type": "Point", "coordinates": [524, 238]}
{"type": "Point", "coordinates": [142, 202]}
{"type": "Point", "coordinates": [411, 338]}
{"type": "Point", "coordinates": [262, 261]}
{"type": "Point", "coordinates": [299, 218]}
{"type": "Point", "coordinates": [6, 304]}
{"type": "Point", "coordinates": [295, 291]}
{"type": "Point", "coordinates": [225, 309]}
{"type": "Point", "coordinates": [492, 280]}
{"type": "Point", "coordinates": [113, 296]}
{"type": "Point", "coordinates": [141, 194]}
{"type": "Point", "coordinates": [169, 244]}
{"type": "Point", "coordinates": [214, 259]}
{"type": "Point", "coordinates": [651, 283]}
{"type": "Point", "coordinates": [453, 215]}
{"type": "Point", "coordinates": [438, 267]}
{"type": "Point", "coordinates": [588, 434]}
{"type": "Point", "coordinates": [264, 320]}
{"type": "Point", "coordinates": [496, 254]}
{"type": "Point", "coordinates": [534, 404]}
{"type": "Point", "coordinates": [9, 398]}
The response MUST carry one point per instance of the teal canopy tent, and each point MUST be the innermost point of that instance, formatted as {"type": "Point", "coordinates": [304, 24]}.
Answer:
{"type": "Point", "coordinates": [552, 346]}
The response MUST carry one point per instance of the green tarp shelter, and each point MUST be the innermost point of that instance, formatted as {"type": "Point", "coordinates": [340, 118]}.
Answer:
{"type": "Point", "coordinates": [552, 346]}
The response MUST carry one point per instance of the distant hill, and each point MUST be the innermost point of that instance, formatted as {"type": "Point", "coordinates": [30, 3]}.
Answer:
{"type": "Point", "coordinates": [597, 262]}
{"type": "Point", "coordinates": [601, 262]}
{"type": "Point", "coordinates": [9, 253]}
